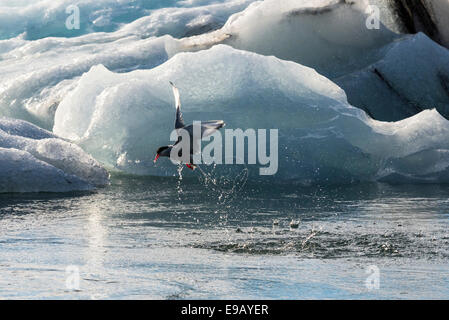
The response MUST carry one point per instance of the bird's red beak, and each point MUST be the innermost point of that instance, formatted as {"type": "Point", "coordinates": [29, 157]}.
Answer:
{"type": "Point", "coordinates": [155, 158]}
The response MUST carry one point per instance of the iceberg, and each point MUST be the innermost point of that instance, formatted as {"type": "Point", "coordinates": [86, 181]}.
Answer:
{"type": "Point", "coordinates": [388, 75]}
{"type": "Point", "coordinates": [44, 18]}
{"type": "Point", "coordinates": [35, 160]}
{"type": "Point", "coordinates": [330, 36]}
{"type": "Point", "coordinates": [439, 11]}
{"type": "Point", "coordinates": [304, 67]}
{"type": "Point", "coordinates": [33, 91]}
{"type": "Point", "coordinates": [412, 76]}
{"type": "Point", "coordinates": [122, 118]}
{"type": "Point", "coordinates": [185, 21]}
{"type": "Point", "coordinates": [428, 16]}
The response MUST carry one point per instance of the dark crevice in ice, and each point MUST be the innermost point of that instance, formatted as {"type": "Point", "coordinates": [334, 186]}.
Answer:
{"type": "Point", "coordinates": [390, 86]}
{"type": "Point", "coordinates": [320, 10]}
{"type": "Point", "coordinates": [444, 80]}
{"type": "Point", "coordinates": [416, 17]}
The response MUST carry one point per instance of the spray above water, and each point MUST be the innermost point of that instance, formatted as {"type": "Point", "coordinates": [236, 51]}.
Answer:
{"type": "Point", "coordinates": [223, 189]}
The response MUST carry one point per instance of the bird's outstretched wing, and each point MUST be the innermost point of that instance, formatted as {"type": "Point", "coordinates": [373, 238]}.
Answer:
{"type": "Point", "coordinates": [209, 127]}
{"type": "Point", "coordinates": [179, 121]}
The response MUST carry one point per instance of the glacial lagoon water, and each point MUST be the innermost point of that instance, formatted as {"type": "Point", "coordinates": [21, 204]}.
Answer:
{"type": "Point", "coordinates": [171, 238]}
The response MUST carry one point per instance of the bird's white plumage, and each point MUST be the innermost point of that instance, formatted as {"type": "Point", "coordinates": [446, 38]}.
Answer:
{"type": "Point", "coordinates": [177, 97]}
{"type": "Point", "coordinates": [179, 121]}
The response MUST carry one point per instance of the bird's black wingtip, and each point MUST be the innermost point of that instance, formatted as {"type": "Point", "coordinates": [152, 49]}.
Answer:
{"type": "Point", "coordinates": [171, 83]}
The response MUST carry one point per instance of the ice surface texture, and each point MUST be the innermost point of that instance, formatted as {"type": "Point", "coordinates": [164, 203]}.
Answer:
{"type": "Point", "coordinates": [35, 160]}
{"type": "Point", "coordinates": [327, 35]}
{"type": "Point", "coordinates": [108, 91]}
{"type": "Point", "coordinates": [37, 74]}
{"type": "Point", "coordinates": [391, 77]}
{"type": "Point", "coordinates": [402, 84]}
{"type": "Point", "coordinates": [36, 19]}
{"type": "Point", "coordinates": [121, 119]}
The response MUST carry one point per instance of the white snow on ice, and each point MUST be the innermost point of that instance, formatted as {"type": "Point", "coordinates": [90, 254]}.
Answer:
{"type": "Point", "coordinates": [32, 160]}
{"type": "Point", "coordinates": [106, 88]}
{"type": "Point", "coordinates": [121, 119]}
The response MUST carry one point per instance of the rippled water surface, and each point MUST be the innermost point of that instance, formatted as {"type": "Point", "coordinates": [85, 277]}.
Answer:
{"type": "Point", "coordinates": [146, 238]}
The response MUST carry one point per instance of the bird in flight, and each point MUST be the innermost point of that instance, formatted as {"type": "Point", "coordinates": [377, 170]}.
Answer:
{"type": "Point", "coordinates": [207, 128]}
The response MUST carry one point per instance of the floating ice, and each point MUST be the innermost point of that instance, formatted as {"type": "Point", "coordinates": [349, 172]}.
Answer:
{"type": "Point", "coordinates": [43, 18]}
{"type": "Point", "coordinates": [391, 77]}
{"type": "Point", "coordinates": [85, 87]}
{"type": "Point", "coordinates": [121, 119]}
{"type": "Point", "coordinates": [413, 75]}
{"type": "Point", "coordinates": [439, 10]}
{"type": "Point", "coordinates": [329, 35]}
{"type": "Point", "coordinates": [184, 22]}
{"type": "Point", "coordinates": [428, 16]}
{"type": "Point", "coordinates": [32, 160]}
{"type": "Point", "coordinates": [32, 91]}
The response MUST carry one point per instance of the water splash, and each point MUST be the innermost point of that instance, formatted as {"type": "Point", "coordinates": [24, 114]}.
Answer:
{"type": "Point", "coordinates": [224, 187]}
{"type": "Point", "coordinates": [179, 189]}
